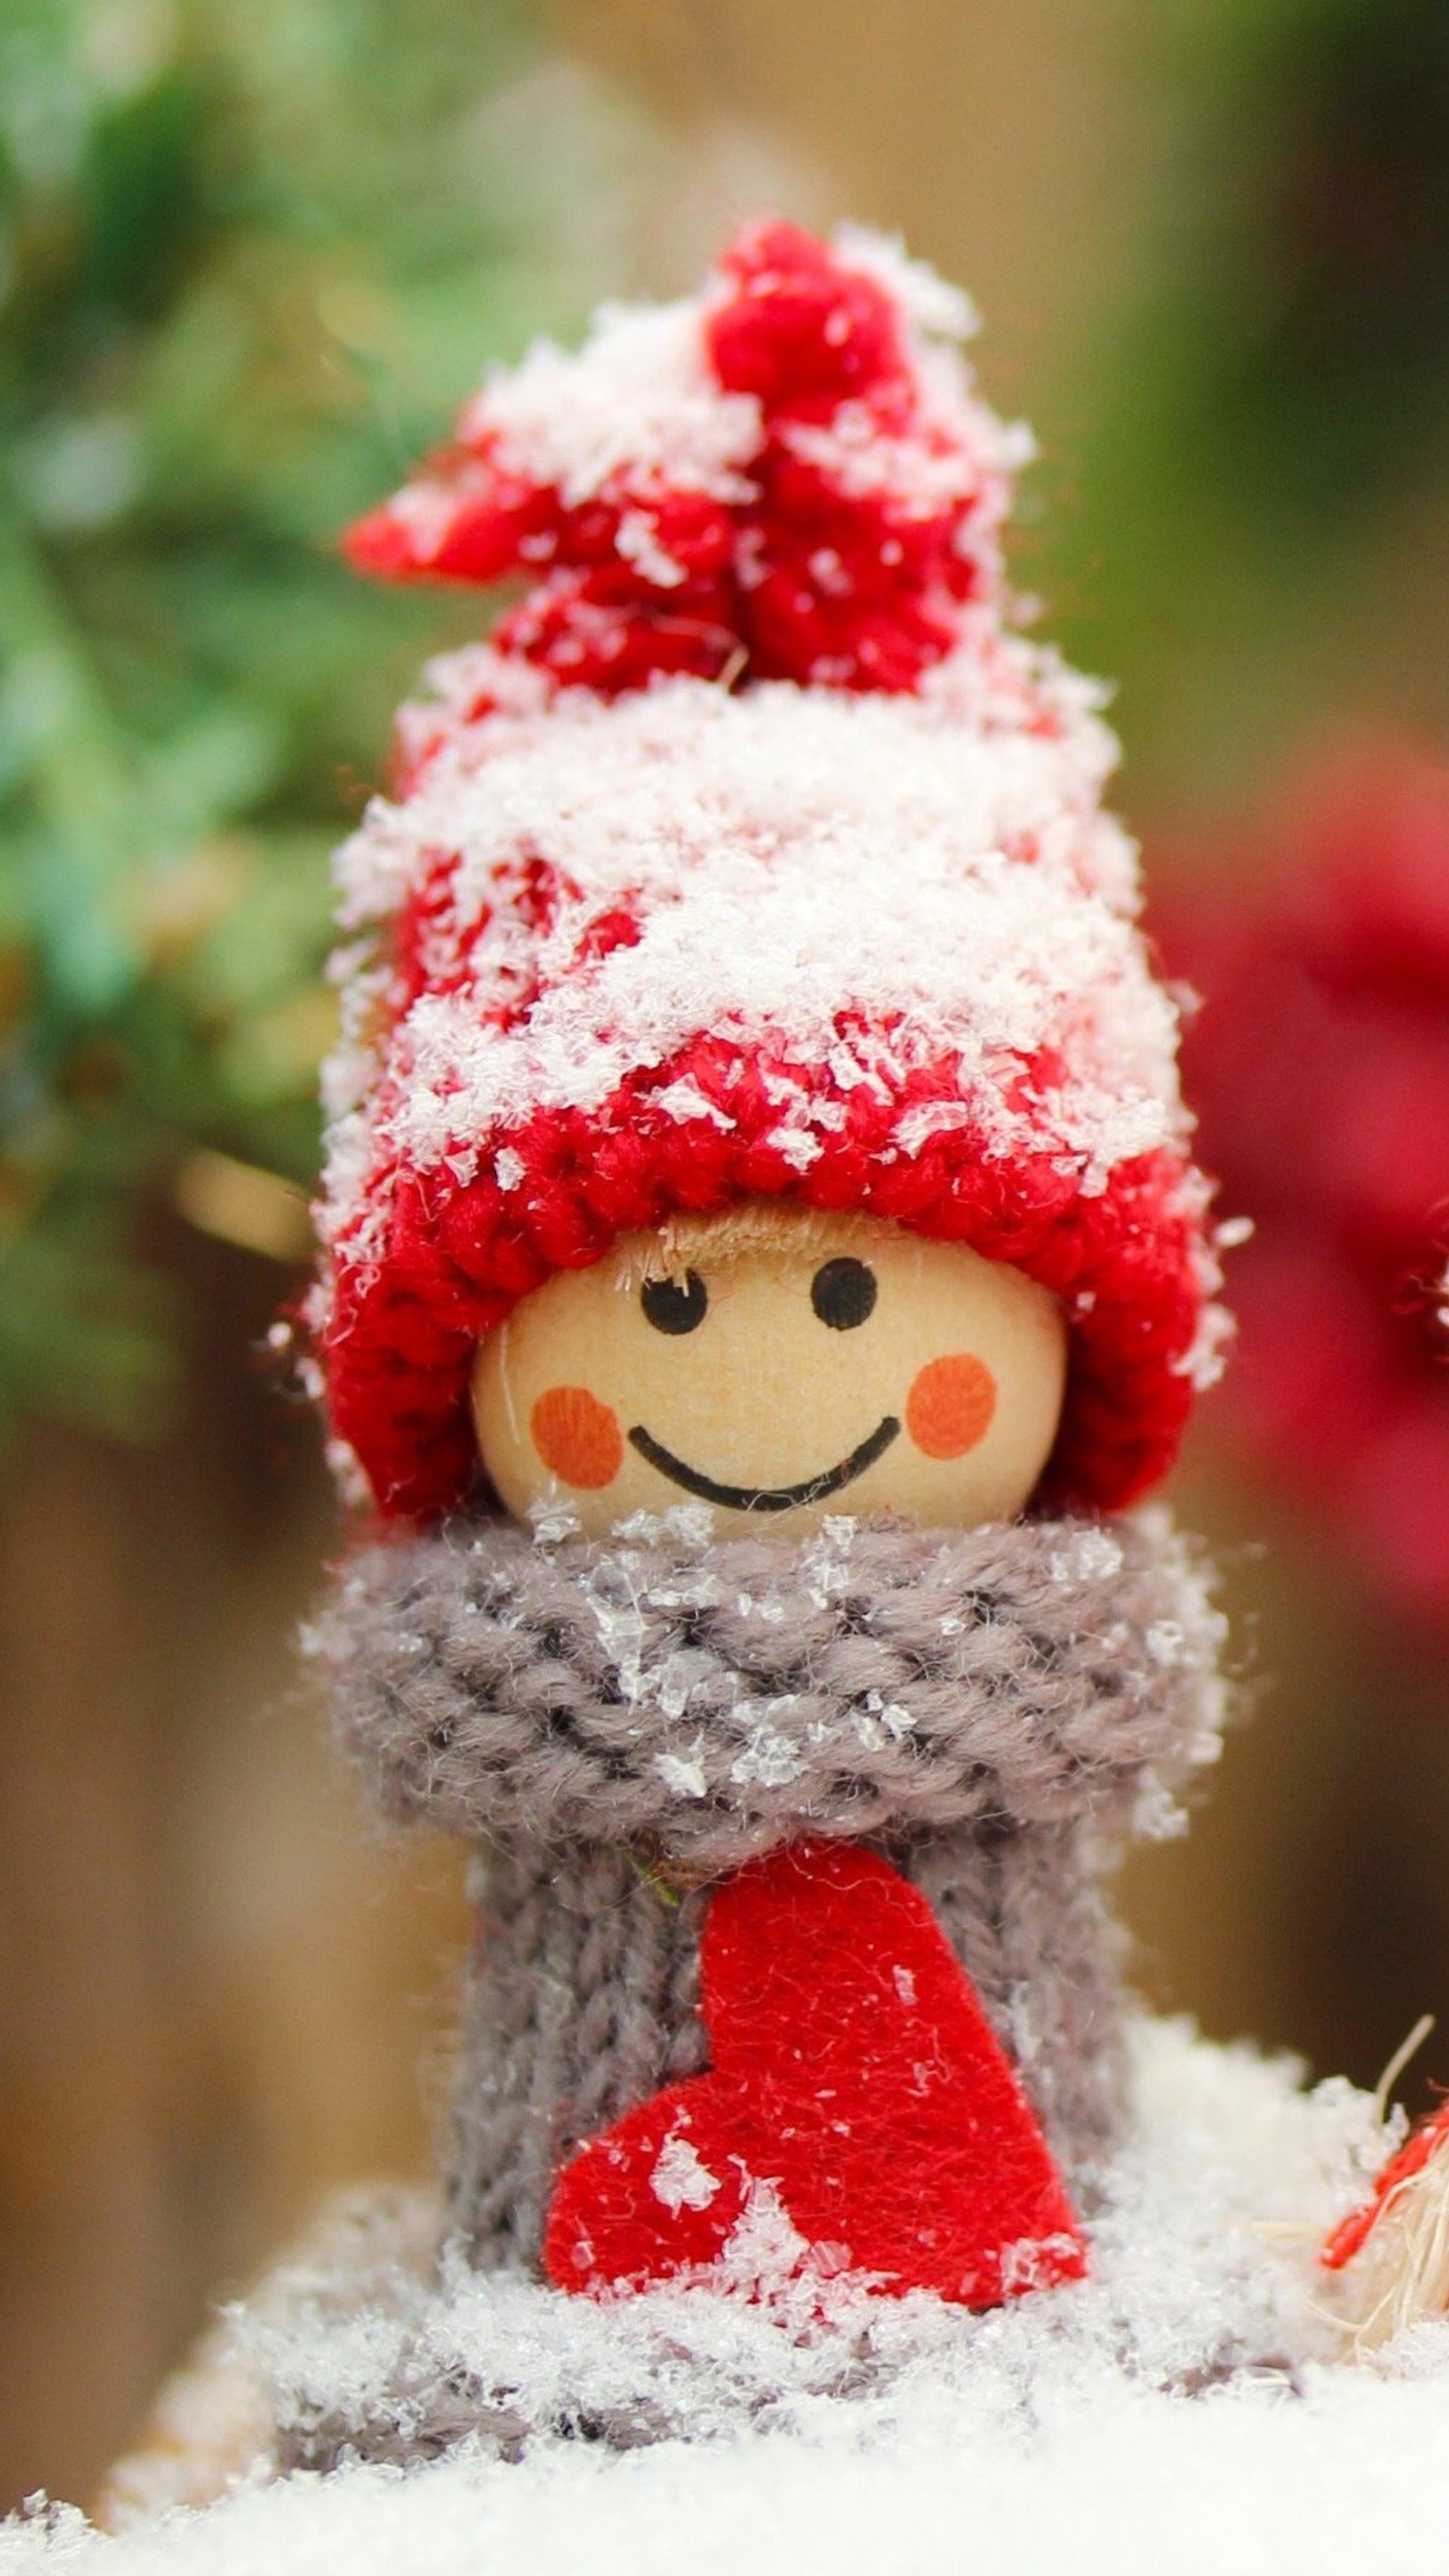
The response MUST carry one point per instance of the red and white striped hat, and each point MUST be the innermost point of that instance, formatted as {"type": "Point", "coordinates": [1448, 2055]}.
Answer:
{"type": "Point", "coordinates": [756, 853]}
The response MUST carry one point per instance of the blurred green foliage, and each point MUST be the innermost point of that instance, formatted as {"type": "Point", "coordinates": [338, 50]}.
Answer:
{"type": "Point", "coordinates": [1275, 399]}
{"type": "Point", "coordinates": [250, 255]}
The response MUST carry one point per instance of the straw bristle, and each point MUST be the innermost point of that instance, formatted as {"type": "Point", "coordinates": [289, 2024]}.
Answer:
{"type": "Point", "coordinates": [1391, 2254]}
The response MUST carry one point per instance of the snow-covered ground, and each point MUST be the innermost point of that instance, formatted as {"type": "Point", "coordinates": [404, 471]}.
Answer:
{"type": "Point", "coordinates": [1188, 2408]}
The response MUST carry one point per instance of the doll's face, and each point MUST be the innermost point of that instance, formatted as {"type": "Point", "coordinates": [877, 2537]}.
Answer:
{"type": "Point", "coordinates": [779, 1365]}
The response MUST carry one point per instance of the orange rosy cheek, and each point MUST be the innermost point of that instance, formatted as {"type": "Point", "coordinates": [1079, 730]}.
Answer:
{"type": "Point", "coordinates": [950, 1406]}
{"type": "Point", "coordinates": [577, 1438]}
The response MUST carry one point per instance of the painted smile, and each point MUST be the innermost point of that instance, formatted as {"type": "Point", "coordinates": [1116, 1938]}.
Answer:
{"type": "Point", "coordinates": [766, 1498]}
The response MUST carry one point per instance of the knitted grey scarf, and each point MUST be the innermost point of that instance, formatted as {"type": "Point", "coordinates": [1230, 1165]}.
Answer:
{"type": "Point", "coordinates": [612, 1725]}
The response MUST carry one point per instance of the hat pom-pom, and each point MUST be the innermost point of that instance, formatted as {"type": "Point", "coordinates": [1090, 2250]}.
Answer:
{"type": "Point", "coordinates": [786, 477]}
{"type": "Point", "coordinates": [799, 328]}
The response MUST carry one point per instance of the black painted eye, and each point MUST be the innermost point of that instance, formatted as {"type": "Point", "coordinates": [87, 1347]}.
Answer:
{"type": "Point", "coordinates": [843, 1294]}
{"type": "Point", "coordinates": [675, 1305]}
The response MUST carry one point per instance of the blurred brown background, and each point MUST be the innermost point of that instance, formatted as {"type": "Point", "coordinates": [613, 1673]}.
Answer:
{"type": "Point", "coordinates": [217, 1987]}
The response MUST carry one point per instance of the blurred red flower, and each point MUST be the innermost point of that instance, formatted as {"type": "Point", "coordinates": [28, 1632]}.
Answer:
{"type": "Point", "coordinates": [1319, 1068]}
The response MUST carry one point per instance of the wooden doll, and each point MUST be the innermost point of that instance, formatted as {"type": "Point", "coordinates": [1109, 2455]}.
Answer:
{"type": "Point", "coordinates": [764, 1265]}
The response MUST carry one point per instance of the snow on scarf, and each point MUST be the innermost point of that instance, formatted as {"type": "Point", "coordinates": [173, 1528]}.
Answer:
{"type": "Point", "coordinates": [613, 1724]}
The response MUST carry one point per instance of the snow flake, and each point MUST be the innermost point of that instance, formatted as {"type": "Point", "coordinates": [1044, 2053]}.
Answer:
{"type": "Point", "coordinates": [770, 1758]}
{"type": "Point", "coordinates": [684, 1778]}
{"type": "Point", "coordinates": [684, 1100]}
{"type": "Point", "coordinates": [622, 1634]}
{"type": "Point", "coordinates": [1092, 1555]}
{"type": "Point", "coordinates": [879, 1722]}
{"type": "Point", "coordinates": [638, 541]}
{"type": "Point", "coordinates": [637, 402]}
{"type": "Point", "coordinates": [932, 303]}
{"type": "Point", "coordinates": [671, 1685]}
{"type": "Point", "coordinates": [931, 1118]}
{"type": "Point", "coordinates": [680, 2179]}
{"type": "Point", "coordinates": [797, 1146]}
{"type": "Point", "coordinates": [690, 1525]}
{"type": "Point", "coordinates": [765, 2251]}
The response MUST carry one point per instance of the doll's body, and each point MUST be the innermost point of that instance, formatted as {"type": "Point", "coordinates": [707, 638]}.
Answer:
{"type": "Point", "coordinates": [618, 1721]}
{"type": "Point", "coordinates": [763, 1262]}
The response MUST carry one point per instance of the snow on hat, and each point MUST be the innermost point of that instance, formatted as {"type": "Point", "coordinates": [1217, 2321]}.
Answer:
{"type": "Point", "coordinates": [756, 853]}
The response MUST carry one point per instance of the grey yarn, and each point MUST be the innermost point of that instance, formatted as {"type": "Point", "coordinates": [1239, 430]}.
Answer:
{"type": "Point", "coordinates": [614, 1723]}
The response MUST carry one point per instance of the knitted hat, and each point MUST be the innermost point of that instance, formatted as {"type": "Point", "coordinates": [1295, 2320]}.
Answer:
{"type": "Point", "coordinates": [755, 854]}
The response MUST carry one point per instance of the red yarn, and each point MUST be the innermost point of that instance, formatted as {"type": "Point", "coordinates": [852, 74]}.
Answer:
{"type": "Point", "coordinates": [856, 2075]}
{"type": "Point", "coordinates": [1424, 2142]}
{"type": "Point", "coordinates": [460, 1254]}
{"type": "Point", "coordinates": [799, 328]}
{"type": "Point", "coordinates": [804, 578]}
